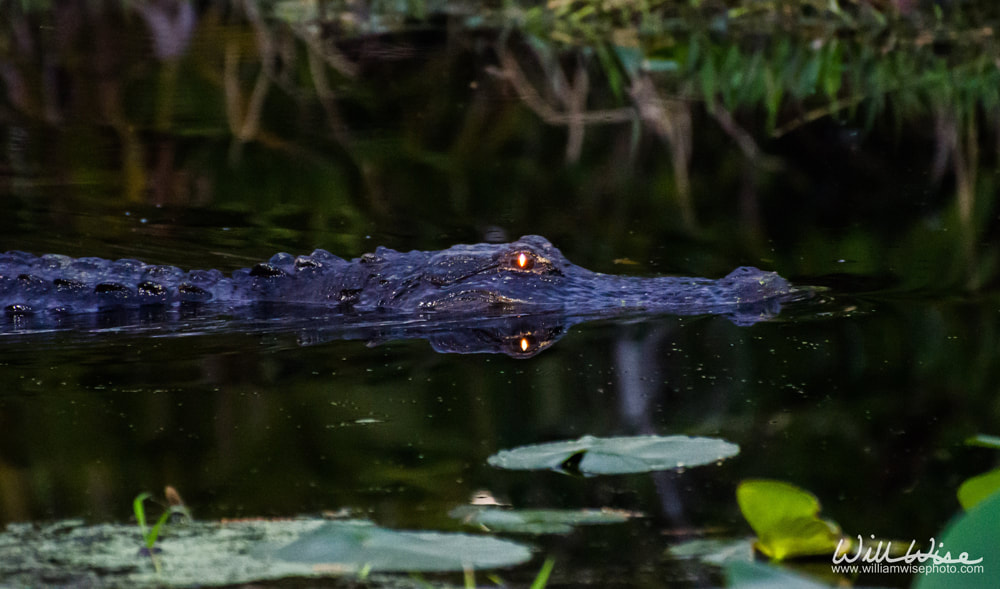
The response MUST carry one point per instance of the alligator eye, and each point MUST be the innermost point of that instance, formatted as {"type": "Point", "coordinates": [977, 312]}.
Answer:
{"type": "Point", "coordinates": [521, 345]}
{"type": "Point", "coordinates": [527, 262]}
{"type": "Point", "coordinates": [524, 261]}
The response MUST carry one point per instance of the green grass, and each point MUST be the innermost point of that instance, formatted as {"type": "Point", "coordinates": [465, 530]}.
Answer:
{"type": "Point", "coordinates": [151, 533]}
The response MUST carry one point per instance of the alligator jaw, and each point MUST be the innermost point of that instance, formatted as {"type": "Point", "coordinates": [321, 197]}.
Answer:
{"type": "Point", "coordinates": [475, 300]}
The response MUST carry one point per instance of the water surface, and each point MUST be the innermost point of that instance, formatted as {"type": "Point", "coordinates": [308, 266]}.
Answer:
{"type": "Point", "coordinates": [862, 394]}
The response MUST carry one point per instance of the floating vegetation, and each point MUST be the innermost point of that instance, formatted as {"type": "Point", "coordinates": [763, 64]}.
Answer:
{"type": "Point", "coordinates": [353, 546]}
{"type": "Point", "coordinates": [617, 455]}
{"type": "Point", "coordinates": [786, 520]}
{"type": "Point", "coordinates": [974, 490]}
{"type": "Point", "coordinates": [984, 441]}
{"type": "Point", "coordinates": [214, 553]}
{"type": "Point", "coordinates": [747, 575]}
{"type": "Point", "coordinates": [537, 521]}
{"type": "Point", "coordinates": [714, 551]}
{"type": "Point", "coordinates": [972, 538]}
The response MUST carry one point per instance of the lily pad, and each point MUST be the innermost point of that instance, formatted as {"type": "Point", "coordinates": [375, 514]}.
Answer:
{"type": "Point", "coordinates": [984, 441]}
{"type": "Point", "coordinates": [352, 546]}
{"type": "Point", "coordinates": [205, 554]}
{"type": "Point", "coordinates": [617, 455]}
{"type": "Point", "coordinates": [759, 575]}
{"type": "Point", "coordinates": [979, 487]}
{"type": "Point", "coordinates": [714, 551]}
{"type": "Point", "coordinates": [536, 521]}
{"type": "Point", "coordinates": [70, 553]}
{"type": "Point", "coordinates": [785, 519]}
{"type": "Point", "coordinates": [971, 540]}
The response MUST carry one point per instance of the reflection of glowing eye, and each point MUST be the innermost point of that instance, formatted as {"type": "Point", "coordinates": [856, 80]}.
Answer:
{"type": "Point", "coordinates": [524, 261]}
{"type": "Point", "coordinates": [525, 344]}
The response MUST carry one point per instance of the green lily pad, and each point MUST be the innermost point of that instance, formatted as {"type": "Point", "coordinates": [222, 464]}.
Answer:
{"type": "Point", "coordinates": [536, 521]}
{"type": "Point", "coordinates": [759, 575]}
{"type": "Point", "coordinates": [353, 546]}
{"type": "Point", "coordinates": [618, 455]}
{"type": "Point", "coordinates": [971, 540]}
{"type": "Point", "coordinates": [714, 551]}
{"type": "Point", "coordinates": [977, 488]}
{"type": "Point", "coordinates": [71, 553]}
{"type": "Point", "coordinates": [785, 519]}
{"type": "Point", "coordinates": [205, 554]}
{"type": "Point", "coordinates": [984, 441]}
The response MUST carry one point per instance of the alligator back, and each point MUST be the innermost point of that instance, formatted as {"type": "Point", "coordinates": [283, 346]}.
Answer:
{"type": "Point", "coordinates": [60, 284]}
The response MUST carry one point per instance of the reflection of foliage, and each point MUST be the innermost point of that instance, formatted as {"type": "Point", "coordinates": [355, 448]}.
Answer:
{"type": "Point", "coordinates": [322, 115]}
{"type": "Point", "coordinates": [775, 69]}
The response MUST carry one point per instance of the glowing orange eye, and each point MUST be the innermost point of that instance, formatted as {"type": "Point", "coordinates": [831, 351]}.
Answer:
{"type": "Point", "coordinates": [525, 344]}
{"type": "Point", "coordinates": [524, 261]}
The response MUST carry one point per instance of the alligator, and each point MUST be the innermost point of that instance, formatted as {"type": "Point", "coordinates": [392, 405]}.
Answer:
{"type": "Point", "coordinates": [461, 286]}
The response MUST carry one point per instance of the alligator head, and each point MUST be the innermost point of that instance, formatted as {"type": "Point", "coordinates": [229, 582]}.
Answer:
{"type": "Point", "coordinates": [531, 275]}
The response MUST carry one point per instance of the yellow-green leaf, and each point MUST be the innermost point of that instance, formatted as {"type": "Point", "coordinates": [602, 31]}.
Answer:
{"type": "Point", "coordinates": [786, 520]}
{"type": "Point", "coordinates": [979, 487]}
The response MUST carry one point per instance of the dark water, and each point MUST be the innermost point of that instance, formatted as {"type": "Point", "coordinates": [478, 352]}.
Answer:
{"type": "Point", "coordinates": [862, 395]}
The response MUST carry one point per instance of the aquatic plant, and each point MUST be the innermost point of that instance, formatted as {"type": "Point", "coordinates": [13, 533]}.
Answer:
{"type": "Point", "coordinates": [973, 537]}
{"type": "Point", "coordinates": [540, 581]}
{"type": "Point", "coordinates": [151, 533]}
{"type": "Point", "coordinates": [786, 520]}
{"type": "Point", "coordinates": [590, 455]}
{"type": "Point", "coordinates": [982, 486]}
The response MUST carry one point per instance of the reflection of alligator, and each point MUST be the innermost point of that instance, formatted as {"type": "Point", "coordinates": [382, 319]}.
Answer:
{"type": "Point", "coordinates": [518, 336]}
{"type": "Point", "coordinates": [525, 277]}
